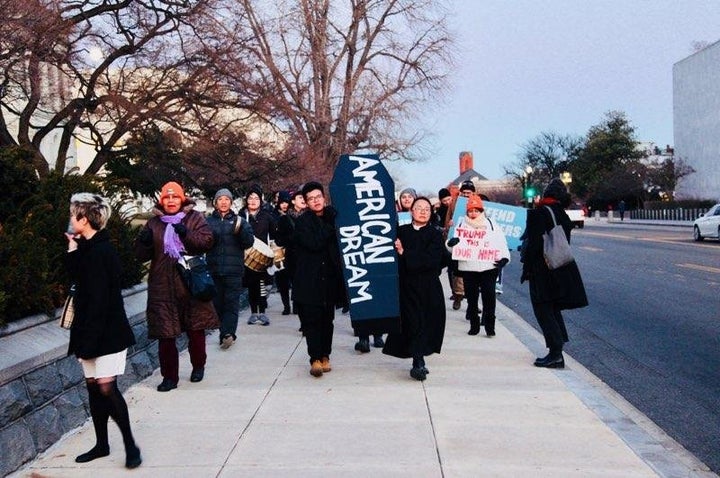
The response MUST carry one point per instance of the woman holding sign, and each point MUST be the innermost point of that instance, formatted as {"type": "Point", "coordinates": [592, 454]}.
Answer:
{"type": "Point", "coordinates": [422, 306]}
{"type": "Point", "coordinates": [481, 251]}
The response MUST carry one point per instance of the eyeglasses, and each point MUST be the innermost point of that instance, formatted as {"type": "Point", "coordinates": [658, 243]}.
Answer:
{"type": "Point", "coordinates": [421, 209]}
{"type": "Point", "coordinates": [314, 198]}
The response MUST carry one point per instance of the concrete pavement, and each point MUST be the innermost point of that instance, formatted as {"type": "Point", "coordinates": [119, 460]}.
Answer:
{"type": "Point", "coordinates": [483, 411]}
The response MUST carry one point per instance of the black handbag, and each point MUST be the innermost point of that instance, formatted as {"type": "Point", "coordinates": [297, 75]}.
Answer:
{"type": "Point", "coordinates": [196, 275]}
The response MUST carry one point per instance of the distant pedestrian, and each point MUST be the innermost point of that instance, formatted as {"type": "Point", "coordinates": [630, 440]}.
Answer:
{"type": "Point", "coordinates": [422, 306]}
{"type": "Point", "coordinates": [226, 260]}
{"type": "Point", "coordinates": [550, 291]}
{"type": "Point", "coordinates": [317, 285]}
{"type": "Point", "coordinates": [621, 208]}
{"type": "Point", "coordinates": [174, 230]}
{"type": "Point", "coordinates": [100, 333]}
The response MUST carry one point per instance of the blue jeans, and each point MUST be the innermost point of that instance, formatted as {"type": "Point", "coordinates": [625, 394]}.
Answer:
{"type": "Point", "coordinates": [227, 303]}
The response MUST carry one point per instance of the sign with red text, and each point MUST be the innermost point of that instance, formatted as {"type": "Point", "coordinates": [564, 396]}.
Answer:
{"type": "Point", "coordinates": [478, 245]}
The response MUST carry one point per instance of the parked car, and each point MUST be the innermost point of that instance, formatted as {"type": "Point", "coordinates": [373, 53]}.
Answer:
{"type": "Point", "coordinates": [707, 225]}
{"type": "Point", "coordinates": [576, 213]}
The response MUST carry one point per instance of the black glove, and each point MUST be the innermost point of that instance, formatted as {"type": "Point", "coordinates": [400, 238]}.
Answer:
{"type": "Point", "coordinates": [501, 263]}
{"type": "Point", "coordinates": [180, 229]}
{"type": "Point", "coordinates": [146, 236]}
{"type": "Point", "coordinates": [453, 242]}
{"type": "Point", "coordinates": [525, 276]}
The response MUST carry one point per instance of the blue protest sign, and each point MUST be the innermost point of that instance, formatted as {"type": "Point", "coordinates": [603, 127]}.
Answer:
{"type": "Point", "coordinates": [458, 212]}
{"type": "Point", "coordinates": [510, 219]}
{"type": "Point", "coordinates": [362, 191]}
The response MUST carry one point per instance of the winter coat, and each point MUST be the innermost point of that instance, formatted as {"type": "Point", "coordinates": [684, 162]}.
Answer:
{"type": "Point", "coordinates": [318, 274]}
{"type": "Point", "coordinates": [283, 238]}
{"type": "Point", "coordinates": [227, 256]}
{"type": "Point", "coordinates": [171, 309]}
{"type": "Point", "coordinates": [563, 286]}
{"type": "Point", "coordinates": [100, 326]}
{"type": "Point", "coordinates": [263, 223]}
{"type": "Point", "coordinates": [422, 302]}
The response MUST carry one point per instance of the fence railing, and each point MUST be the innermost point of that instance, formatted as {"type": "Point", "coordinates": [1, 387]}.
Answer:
{"type": "Point", "coordinates": [678, 214]}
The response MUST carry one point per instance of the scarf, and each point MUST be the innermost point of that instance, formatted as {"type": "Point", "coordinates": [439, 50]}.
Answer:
{"type": "Point", "coordinates": [477, 223]}
{"type": "Point", "coordinates": [173, 245]}
{"type": "Point", "coordinates": [548, 201]}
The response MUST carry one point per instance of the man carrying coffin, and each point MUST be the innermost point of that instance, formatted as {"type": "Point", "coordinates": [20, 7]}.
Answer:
{"type": "Point", "coordinates": [481, 250]}
{"type": "Point", "coordinates": [317, 285]}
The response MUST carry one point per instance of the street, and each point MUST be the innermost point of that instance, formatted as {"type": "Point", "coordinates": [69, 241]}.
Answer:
{"type": "Point", "coordinates": [652, 330]}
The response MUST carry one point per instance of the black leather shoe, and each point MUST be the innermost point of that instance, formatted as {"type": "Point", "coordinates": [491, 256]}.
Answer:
{"type": "Point", "coordinates": [166, 385]}
{"type": "Point", "coordinates": [474, 330]}
{"type": "Point", "coordinates": [490, 333]}
{"type": "Point", "coordinates": [133, 458]}
{"type": "Point", "coordinates": [286, 311]}
{"type": "Point", "coordinates": [197, 374]}
{"type": "Point", "coordinates": [378, 342]}
{"type": "Point", "coordinates": [551, 362]}
{"type": "Point", "coordinates": [95, 452]}
{"type": "Point", "coordinates": [418, 373]}
{"type": "Point", "coordinates": [363, 346]}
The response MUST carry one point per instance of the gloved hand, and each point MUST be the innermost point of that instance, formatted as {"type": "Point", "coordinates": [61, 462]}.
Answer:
{"type": "Point", "coordinates": [180, 229]}
{"type": "Point", "coordinates": [501, 263]}
{"type": "Point", "coordinates": [146, 236]}
{"type": "Point", "coordinates": [525, 276]}
{"type": "Point", "coordinates": [237, 225]}
{"type": "Point", "coordinates": [453, 242]}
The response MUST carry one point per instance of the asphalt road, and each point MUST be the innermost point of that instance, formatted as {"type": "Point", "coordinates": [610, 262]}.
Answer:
{"type": "Point", "coordinates": [652, 330]}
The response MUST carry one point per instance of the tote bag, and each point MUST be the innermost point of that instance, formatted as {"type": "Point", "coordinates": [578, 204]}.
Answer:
{"type": "Point", "coordinates": [556, 248]}
{"type": "Point", "coordinates": [68, 311]}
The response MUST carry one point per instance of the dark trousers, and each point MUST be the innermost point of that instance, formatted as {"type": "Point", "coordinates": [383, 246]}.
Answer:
{"type": "Point", "coordinates": [481, 285]}
{"type": "Point", "coordinates": [168, 354]}
{"type": "Point", "coordinates": [282, 280]}
{"type": "Point", "coordinates": [257, 296]}
{"type": "Point", "coordinates": [227, 303]}
{"type": "Point", "coordinates": [317, 325]}
{"type": "Point", "coordinates": [552, 324]}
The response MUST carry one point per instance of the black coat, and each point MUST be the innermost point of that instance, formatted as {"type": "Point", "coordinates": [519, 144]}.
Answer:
{"type": "Point", "coordinates": [100, 326]}
{"type": "Point", "coordinates": [422, 303]}
{"type": "Point", "coordinates": [318, 274]}
{"type": "Point", "coordinates": [563, 286]}
{"type": "Point", "coordinates": [227, 256]}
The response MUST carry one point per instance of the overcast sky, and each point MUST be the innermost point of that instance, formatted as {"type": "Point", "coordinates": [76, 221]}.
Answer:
{"type": "Point", "coordinates": [528, 66]}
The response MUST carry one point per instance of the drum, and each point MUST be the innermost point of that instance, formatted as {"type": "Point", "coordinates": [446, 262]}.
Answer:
{"type": "Point", "coordinates": [279, 256]}
{"type": "Point", "coordinates": [259, 256]}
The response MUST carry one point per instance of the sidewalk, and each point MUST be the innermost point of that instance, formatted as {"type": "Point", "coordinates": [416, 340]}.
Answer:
{"type": "Point", "coordinates": [483, 411]}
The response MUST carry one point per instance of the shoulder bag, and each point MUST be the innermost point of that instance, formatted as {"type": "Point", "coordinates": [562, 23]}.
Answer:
{"type": "Point", "coordinates": [68, 311]}
{"type": "Point", "coordinates": [196, 275]}
{"type": "Point", "coordinates": [556, 248]}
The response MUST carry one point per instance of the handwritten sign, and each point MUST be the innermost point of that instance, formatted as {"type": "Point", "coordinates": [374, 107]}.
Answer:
{"type": "Point", "coordinates": [479, 245]}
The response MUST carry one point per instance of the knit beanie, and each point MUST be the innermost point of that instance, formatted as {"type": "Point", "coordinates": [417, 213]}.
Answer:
{"type": "Point", "coordinates": [409, 191]}
{"type": "Point", "coordinates": [555, 189]}
{"type": "Point", "coordinates": [474, 202]}
{"type": "Point", "coordinates": [283, 196]}
{"type": "Point", "coordinates": [467, 185]}
{"type": "Point", "coordinates": [172, 188]}
{"type": "Point", "coordinates": [223, 192]}
{"type": "Point", "coordinates": [255, 188]}
{"type": "Point", "coordinates": [443, 193]}
{"type": "Point", "coordinates": [312, 186]}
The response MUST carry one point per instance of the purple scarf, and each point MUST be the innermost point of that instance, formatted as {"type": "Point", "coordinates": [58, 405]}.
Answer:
{"type": "Point", "coordinates": [173, 245]}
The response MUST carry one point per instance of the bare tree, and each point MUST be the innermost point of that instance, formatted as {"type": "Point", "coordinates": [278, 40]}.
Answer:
{"type": "Point", "coordinates": [547, 156]}
{"type": "Point", "coordinates": [94, 70]}
{"type": "Point", "coordinates": [338, 77]}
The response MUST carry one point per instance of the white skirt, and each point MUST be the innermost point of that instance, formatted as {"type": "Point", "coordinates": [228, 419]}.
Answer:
{"type": "Point", "coordinates": [105, 365]}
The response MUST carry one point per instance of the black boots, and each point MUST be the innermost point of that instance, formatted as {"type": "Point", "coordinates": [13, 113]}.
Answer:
{"type": "Point", "coordinates": [363, 345]}
{"type": "Point", "coordinates": [551, 360]}
{"type": "Point", "coordinates": [95, 452]}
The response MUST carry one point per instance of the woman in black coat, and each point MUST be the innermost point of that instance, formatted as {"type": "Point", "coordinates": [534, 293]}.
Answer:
{"type": "Point", "coordinates": [100, 333]}
{"type": "Point", "coordinates": [556, 290]}
{"type": "Point", "coordinates": [422, 307]}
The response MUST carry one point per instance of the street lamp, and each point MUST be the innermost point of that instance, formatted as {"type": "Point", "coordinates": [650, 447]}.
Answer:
{"type": "Point", "coordinates": [528, 190]}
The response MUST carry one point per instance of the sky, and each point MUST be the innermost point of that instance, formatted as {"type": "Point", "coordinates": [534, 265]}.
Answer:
{"type": "Point", "coordinates": [523, 67]}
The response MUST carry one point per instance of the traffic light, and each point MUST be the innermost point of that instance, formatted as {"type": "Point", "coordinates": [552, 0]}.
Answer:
{"type": "Point", "coordinates": [529, 192]}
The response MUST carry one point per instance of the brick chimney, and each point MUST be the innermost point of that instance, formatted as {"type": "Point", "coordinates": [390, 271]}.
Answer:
{"type": "Point", "coordinates": [466, 161]}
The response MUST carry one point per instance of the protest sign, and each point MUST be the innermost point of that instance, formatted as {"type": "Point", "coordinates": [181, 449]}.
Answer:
{"type": "Point", "coordinates": [478, 245]}
{"type": "Point", "coordinates": [509, 219]}
{"type": "Point", "coordinates": [362, 191]}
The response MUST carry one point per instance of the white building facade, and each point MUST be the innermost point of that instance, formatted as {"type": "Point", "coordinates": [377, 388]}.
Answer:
{"type": "Point", "coordinates": [696, 122]}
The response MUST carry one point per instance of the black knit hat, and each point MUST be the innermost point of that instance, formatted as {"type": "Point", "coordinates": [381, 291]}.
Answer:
{"type": "Point", "coordinates": [555, 189]}
{"type": "Point", "coordinates": [467, 185]}
{"type": "Point", "coordinates": [255, 188]}
{"type": "Point", "coordinates": [443, 193]}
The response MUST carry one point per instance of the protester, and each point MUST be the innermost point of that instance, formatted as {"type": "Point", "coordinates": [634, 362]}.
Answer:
{"type": "Point", "coordinates": [226, 261]}
{"type": "Point", "coordinates": [100, 332]}
{"type": "Point", "coordinates": [405, 199]}
{"type": "Point", "coordinates": [422, 311]}
{"type": "Point", "coordinates": [556, 290]}
{"type": "Point", "coordinates": [282, 239]}
{"type": "Point", "coordinates": [263, 226]}
{"type": "Point", "coordinates": [446, 199]}
{"type": "Point", "coordinates": [175, 229]}
{"type": "Point", "coordinates": [479, 276]}
{"type": "Point", "coordinates": [318, 276]}
{"type": "Point", "coordinates": [467, 188]}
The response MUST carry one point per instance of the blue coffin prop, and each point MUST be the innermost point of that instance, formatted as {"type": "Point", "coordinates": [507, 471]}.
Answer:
{"type": "Point", "coordinates": [362, 191]}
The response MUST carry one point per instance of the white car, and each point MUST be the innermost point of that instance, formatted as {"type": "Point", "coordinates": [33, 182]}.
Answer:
{"type": "Point", "coordinates": [577, 215]}
{"type": "Point", "coordinates": [707, 225]}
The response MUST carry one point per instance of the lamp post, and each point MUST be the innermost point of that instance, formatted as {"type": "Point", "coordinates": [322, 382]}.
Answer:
{"type": "Point", "coordinates": [528, 190]}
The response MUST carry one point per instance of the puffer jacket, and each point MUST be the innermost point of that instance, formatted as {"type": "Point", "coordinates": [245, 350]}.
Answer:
{"type": "Point", "coordinates": [171, 310]}
{"type": "Point", "coordinates": [227, 257]}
